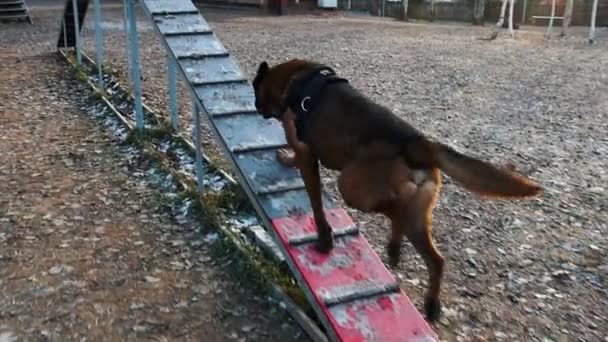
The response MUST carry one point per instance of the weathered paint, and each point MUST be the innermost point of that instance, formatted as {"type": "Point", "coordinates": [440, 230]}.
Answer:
{"type": "Point", "coordinates": [195, 46]}
{"type": "Point", "coordinates": [183, 24]}
{"type": "Point", "coordinates": [209, 70]}
{"type": "Point", "coordinates": [265, 173]}
{"type": "Point", "coordinates": [249, 131]}
{"type": "Point", "coordinates": [170, 6]}
{"type": "Point", "coordinates": [236, 97]}
{"type": "Point", "coordinates": [353, 266]}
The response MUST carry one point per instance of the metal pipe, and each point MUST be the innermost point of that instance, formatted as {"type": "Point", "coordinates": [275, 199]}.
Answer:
{"type": "Point", "coordinates": [198, 146]}
{"type": "Point", "coordinates": [125, 21]}
{"type": "Point", "coordinates": [65, 34]}
{"type": "Point", "coordinates": [139, 115]}
{"type": "Point", "coordinates": [99, 42]}
{"type": "Point", "coordinates": [172, 75]}
{"type": "Point", "coordinates": [76, 31]}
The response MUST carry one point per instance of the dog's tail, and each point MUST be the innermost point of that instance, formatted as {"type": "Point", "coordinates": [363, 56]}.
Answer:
{"type": "Point", "coordinates": [473, 174]}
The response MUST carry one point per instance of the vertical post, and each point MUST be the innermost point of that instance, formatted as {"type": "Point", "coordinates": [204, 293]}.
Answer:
{"type": "Point", "coordinates": [99, 42]}
{"type": "Point", "coordinates": [548, 34]}
{"type": "Point", "coordinates": [76, 31]}
{"type": "Point", "coordinates": [198, 146]}
{"type": "Point", "coordinates": [128, 54]}
{"type": "Point", "coordinates": [139, 115]}
{"type": "Point", "coordinates": [172, 75]}
{"type": "Point", "coordinates": [523, 15]}
{"type": "Point", "coordinates": [592, 27]}
{"type": "Point", "coordinates": [65, 34]}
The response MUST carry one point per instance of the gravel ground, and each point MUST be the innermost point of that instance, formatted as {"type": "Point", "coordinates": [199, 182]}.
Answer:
{"type": "Point", "coordinates": [534, 270]}
{"type": "Point", "coordinates": [89, 249]}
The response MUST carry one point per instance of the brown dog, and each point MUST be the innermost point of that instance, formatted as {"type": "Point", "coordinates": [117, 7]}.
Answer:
{"type": "Point", "coordinates": [386, 165]}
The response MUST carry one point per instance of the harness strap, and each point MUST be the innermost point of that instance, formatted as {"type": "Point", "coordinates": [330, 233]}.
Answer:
{"type": "Point", "coordinates": [304, 94]}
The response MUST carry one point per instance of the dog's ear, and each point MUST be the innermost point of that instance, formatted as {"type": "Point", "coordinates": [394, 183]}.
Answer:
{"type": "Point", "coordinates": [263, 68]}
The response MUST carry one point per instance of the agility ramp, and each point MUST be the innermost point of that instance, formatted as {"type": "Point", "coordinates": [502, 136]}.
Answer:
{"type": "Point", "coordinates": [14, 9]}
{"type": "Point", "coordinates": [355, 297]}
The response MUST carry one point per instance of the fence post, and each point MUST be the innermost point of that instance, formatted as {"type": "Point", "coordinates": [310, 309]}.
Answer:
{"type": "Point", "coordinates": [99, 43]}
{"type": "Point", "coordinates": [139, 115]}
{"type": "Point", "coordinates": [198, 146]}
{"type": "Point", "coordinates": [76, 16]}
{"type": "Point", "coordinates": [125, 21]}
{"type": "Point", "coordinates": [172, 75]}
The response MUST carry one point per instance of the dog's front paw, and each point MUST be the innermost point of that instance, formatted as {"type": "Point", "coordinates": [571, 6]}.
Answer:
{"type": "Point", "coordinates": [324, 245]}
{"type": "Point", "coordinates": [286, 157]}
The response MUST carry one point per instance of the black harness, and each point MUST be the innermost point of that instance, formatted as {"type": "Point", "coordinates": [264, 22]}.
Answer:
{"type": "Point", "coordinates": [304, 94]}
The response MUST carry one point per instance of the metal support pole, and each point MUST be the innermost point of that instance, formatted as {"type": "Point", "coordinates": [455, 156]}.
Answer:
{"type": "Point", "coordinates": [65, 34]}
{"type": "Point", "coordinates": [593, 19]}
{"type": "Point", "coordinates": [99, 42]}
{"type": "Point", "coordinates": [198, 146]}
{"type": "Point", "coordinates": [76, 32]}
{"type": "Point", "coordinates": [139, 114]}
{"type": "Point", "coordinates": [172, 75]}
{"type": "Point", "coordinates": [128, 54]}
{"type": "Point", "coordinates": [523, 16]}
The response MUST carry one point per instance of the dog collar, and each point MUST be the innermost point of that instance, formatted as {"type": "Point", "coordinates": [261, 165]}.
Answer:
{"type": "Point", "coordinates": [304, 94]}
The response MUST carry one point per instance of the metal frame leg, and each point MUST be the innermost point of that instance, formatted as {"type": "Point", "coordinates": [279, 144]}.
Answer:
{"type": "Point", "coordinates": [172, 76]}
{"type": "Point", "coordinates": [198, 146]}
{"type": "Point", "coordinates": [128, 52]}
{"type": "Point", "coordinates": [139, 115]}
{"type": "Point", "coordinates": [99, 42]}
{"type": "Point", "coordinates": [76, 31]}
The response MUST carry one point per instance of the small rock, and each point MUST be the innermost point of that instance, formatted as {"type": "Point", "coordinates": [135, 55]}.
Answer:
{"type": "Point", "coordinates": [137, 306]}
{"type": "Point", "coordinates": [151, 279]}
{"type": "Point", "coordinates": [470, 251]}
{"type": "Point", "coordinates": [561, 274]}
{"type": "Point", "coordinates": [7, 336]}
{"type": "Point", "coordinates": [247, 328]}
{"type": "Point", "coordinates": [177, 266]}
{"type": "Point", "coordinates": [500, 334]}
{"type": "Point", "coordinates": [597, 190]}
{"type": "Point", "coordinates": [211, 237]}
{"type": "Point", "coordinates": [56, 270]}
{"type": "Point", "coordinates": [182, 304]}
{"type": "Point", "coordinates": [176, 243]}
{"type": "Point", "coordinates": [414, 281]}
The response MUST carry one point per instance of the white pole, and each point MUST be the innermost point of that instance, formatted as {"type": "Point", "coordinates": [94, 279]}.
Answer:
{"type": "Point", "coordinates": [548, 34]}
{"type": "Point", "coordinates": [511, 5]}
{"type": "Point", "coordinates": [593, 17]}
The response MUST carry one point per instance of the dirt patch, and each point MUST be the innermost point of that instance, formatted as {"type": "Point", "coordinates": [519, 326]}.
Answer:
{"type": "Point", "coordinates": [89, 247]}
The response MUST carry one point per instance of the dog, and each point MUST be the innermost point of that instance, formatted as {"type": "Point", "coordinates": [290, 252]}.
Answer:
{"type": "Point", "coordinates": [386, 166]}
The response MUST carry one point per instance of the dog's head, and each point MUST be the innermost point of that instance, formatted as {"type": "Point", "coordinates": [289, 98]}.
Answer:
{"type": "Point", "coordinates": [270, 85]}
{"type": "Point", "coordinates": [265, 103]}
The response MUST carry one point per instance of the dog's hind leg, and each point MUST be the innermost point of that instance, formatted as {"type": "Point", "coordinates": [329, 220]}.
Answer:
{"type": "Point", "coordinates": [417, 227]}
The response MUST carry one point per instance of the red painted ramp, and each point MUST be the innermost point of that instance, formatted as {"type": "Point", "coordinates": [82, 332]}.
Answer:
{"type": "Point", "coordinates": [359, 296]}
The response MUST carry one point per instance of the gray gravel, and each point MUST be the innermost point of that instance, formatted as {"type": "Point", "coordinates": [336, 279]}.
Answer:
{"type": "Point", "coordinates": [531, 270]}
